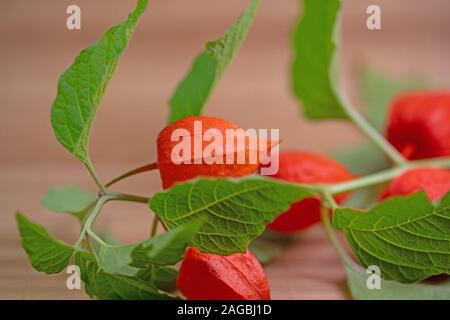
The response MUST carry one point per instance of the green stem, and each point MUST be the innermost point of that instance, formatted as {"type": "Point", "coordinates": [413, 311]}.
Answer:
{"type": "Point", "coordinates": [154, 226]}
{"type": "Point", "coordinates": [372, 133]}
{"type": "Point", "coordinates": [90, 168]}
{"type": "Point", "coordinates": [90, 219]}
{"type": "Point", "coordinates": [85, 211]}
{"type": "Point", "coordinates": [366, 181]}
{"type": "Point", "coordinates": [145, 168]}
{"type": "Point", "coordinates": [91, 246]}
{"type": "Point", "coordinates": [330, 200]}
{"type": "Point", "coordinates": [383, 176]}
{"type": "Point", "coordinates": [94, 236]}
{"type": "Point", "coordinates": [326, 222]}
{"type": "Point", "coordinates": [127, 197]}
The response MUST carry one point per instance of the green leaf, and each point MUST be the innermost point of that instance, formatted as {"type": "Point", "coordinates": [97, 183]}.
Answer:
{"type": "Point", "coordinates": [443, 202]}
{"type": "Point", "coordinates": [103, 285]}
{"type": "Point", "coordinates": [237, 210]}
{"type": "Point", "coordinates": [378, 92]}
{"type": "Point", "coordinates": [163, 250]}
{"type": "Point", "coordinates": [313, 72]}
{"type": "Point", "coordinates": [193, 91]}
{"type": "Point", "coordinates": [165, 278]}
{"type": "Point", "coordinates": [81, 87]}
{"type": "Point", "coordinates": [390, 290]}
{"type": "Point", "coordinates": [406, 237]}
{"type": "Point", "coordinates": [166, 249]}
{"type": "Point", "coordinates": [72, 200]}
{"type": "Point", "coordinates": [116, 259]}
{"type": "Point", "coordinates": [46, 254]}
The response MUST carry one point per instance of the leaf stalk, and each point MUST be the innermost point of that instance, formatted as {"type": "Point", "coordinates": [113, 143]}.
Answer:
{"type": "Point", "coordinates": [373, 134]}
{"type": "Point", "coordinates": [142, 169]}
{"type": "Point", "coordinates": [381, 176]}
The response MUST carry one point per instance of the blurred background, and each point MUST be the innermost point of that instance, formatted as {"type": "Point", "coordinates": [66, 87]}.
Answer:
{"type": "Point", "coordinates": [36, 47]}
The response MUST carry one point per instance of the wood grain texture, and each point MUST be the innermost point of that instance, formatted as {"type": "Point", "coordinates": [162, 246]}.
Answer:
{"type": "Point", "coordinates": [254, 92]}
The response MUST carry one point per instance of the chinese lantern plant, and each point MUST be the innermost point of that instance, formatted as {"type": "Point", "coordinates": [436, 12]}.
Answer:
{"type": "Point", "coordinates": [211, 212]}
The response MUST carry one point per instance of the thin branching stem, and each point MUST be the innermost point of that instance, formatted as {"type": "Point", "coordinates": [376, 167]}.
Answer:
{"type": "Point", "coordinates": [94, 176]}
{"type": "Point", "coordinates": [90, 219]}
{"type": "Point", "coordinates": [155, 223]}
{"type": "Point", "coordinates": [373, 134]}
{"type": "Point", "coordinates": [145, 168]}
{"type": "Point", "coordinates": [384, 176]}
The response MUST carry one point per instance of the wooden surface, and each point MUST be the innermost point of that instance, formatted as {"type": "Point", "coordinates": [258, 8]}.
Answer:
{"type": "Point", "coordinates": [254, 92]}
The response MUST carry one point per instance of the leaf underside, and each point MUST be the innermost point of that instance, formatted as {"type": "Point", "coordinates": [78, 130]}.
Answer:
{"type": "Point", "coordinates": [71, 200]}
{"type": "Point", "coordinates": [406, 237]}
{"type": "Point", "coordinates": [107, 286]}
{"type": "Point", "coordinates": [166, 249]}
{"type": "Point", "coordinates": [46, 254]}
{"type": "Point", "coordinates": [236, 211]}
